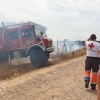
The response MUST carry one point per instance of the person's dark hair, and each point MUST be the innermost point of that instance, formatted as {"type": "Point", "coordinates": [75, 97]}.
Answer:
{"type": "Point", "coordinates": [93, 36]}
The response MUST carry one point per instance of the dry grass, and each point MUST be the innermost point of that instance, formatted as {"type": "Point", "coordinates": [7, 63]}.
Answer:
{"type": "Point", "coordinates": [8, 71]}
{"type": "Point", "coordinates": [70, 55]}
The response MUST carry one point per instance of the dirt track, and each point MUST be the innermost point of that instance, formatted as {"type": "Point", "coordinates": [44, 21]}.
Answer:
{"type": "Point", "coordinates": [63, 81]}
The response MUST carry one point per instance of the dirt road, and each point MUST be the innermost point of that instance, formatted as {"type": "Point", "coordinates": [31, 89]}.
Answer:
{"type": "Point", "coordinates": [63, 81]}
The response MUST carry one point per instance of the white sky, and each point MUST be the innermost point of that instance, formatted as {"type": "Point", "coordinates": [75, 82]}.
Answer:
{"type": "Point", "coordinates": [65, 19]}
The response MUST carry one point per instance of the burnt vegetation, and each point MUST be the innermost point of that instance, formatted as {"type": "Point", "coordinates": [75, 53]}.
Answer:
{"type": "Point", "coordinates": [8, 70]}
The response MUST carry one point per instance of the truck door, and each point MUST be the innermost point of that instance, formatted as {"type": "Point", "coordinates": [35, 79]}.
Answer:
{"type": "Point", "coordinates": [14, 41]}
{"type": "Point", "coordinates": [27, 36]}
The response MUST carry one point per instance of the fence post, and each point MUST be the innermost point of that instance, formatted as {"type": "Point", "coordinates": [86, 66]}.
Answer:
{"type": "Point", "coordinates": [57, 48]}
{"type": "Point", "coordinates": [79, 47]}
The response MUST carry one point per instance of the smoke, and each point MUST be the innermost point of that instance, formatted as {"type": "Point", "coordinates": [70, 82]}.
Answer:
{"type": "Point", "coordinates": [8, 23]}
{"type": "Point", "coordinates": [68, 46]}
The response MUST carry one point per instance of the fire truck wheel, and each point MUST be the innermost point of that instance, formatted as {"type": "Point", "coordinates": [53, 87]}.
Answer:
{"type": "Point", "coordinates": [47, 54]}
{"type": "Point", "coordinates": [37, 57]}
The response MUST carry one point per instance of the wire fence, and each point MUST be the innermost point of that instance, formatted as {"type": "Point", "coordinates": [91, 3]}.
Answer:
{"type": "Point", "coordinates": [66, 47]}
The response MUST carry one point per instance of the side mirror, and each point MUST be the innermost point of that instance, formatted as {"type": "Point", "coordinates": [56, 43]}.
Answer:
{"type": "Point", "coordinates": [41, 33]}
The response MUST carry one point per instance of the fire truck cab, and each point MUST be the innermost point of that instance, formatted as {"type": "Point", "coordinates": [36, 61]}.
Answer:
{"type": "Point", "coordinates": [25, 39]}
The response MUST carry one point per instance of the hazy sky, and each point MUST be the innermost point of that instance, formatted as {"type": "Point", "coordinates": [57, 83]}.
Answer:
{"type": "Point", "coordinates": [65, 19]}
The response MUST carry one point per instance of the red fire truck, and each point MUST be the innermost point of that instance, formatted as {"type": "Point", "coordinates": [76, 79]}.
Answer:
{"type": "Point", "coordinates": [25, 39]}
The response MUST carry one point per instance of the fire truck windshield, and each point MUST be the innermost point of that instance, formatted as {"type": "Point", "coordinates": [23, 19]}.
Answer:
{"type": "Point", "coordinates": [39, 33]}
{"type": "Point", "coordinates": [42, 31]}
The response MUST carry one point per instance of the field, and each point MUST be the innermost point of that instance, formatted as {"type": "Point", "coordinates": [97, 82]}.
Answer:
{"type": "Point", "coordinates": [60, 79]}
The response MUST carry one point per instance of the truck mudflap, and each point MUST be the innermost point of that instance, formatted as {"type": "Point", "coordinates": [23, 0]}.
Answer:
{"type": "Point", "coordinates": [50, 49]}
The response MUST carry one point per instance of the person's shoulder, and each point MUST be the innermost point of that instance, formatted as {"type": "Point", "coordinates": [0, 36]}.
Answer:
{"type": "Point", "coordinates": [97, 42]}
{"type": "Point", "coordinates": [87, 41]}
{"type": "Point", "coordinates": [99, 73]}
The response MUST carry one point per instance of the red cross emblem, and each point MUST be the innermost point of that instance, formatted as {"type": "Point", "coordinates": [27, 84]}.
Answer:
{"type": "Point", "coordinates": [91, 45]}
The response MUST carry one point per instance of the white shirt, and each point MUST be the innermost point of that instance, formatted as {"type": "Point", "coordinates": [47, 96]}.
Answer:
{"type": "Point", "coordinates": [92, 48]}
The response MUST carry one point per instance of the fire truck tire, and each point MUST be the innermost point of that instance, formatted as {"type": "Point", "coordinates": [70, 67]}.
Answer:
{"type": "Point", "coordinates": [47, 54]}
{"type": "Point", "coordinates": [37, 57]}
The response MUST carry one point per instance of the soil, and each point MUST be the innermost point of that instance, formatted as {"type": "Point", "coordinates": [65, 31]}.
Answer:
{"type": "Point", "coordinates": [62, 81]}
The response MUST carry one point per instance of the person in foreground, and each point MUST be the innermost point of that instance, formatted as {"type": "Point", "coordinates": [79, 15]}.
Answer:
{"type": "Point", "coordinates": [92, 61]}
{"type": "Point", "coordinates": [98, 83]}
